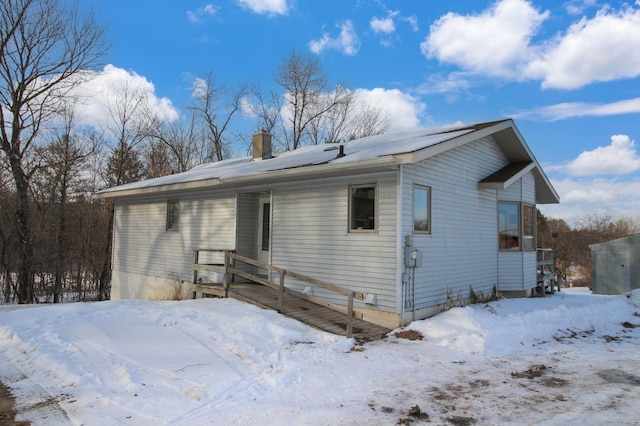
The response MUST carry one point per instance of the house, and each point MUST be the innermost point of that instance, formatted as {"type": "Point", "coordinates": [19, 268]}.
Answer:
{"type": "Point", "coordinates": [413, 220]}
{"type": "Point", "coordinates": [614, 265]}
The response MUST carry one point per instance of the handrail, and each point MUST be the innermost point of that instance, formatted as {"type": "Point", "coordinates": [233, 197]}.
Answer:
{"type": "Point", "coordinates": [211, 267]}
{"type": "Point", "coordinates": [233, 258]}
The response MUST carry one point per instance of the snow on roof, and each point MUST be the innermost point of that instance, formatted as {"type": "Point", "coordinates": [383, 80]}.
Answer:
{"type": "Point", "coordinates": [355, 151]}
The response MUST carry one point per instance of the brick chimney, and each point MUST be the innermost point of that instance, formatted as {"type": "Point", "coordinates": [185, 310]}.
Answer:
{"type": "Point", "coordinates": [261, 145]}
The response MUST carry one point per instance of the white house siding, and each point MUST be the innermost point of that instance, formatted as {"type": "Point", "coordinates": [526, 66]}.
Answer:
{"type": "Point", "coordinates": [144, 251]}
{"type": "Point", "coordinates": [517, 270]}
{"type": "Point", "coordinates": [310, 236]}
{"type": "Point", "coordinates": [460, 253]}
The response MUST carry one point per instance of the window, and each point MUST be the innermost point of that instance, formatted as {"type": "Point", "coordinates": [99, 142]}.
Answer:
{"type": "Point", "coordinates": [516, 226]}
{"type": "Point", "coordinates": [528, 227]}
{"type": "Point", "coordinates": [173, 215]}
{"type": "Point", "coordinates": [362, 208]}
{"type": "Point", "coordinates": [266, 220]}
{"type": "Point", "coordinates": [421, 209]}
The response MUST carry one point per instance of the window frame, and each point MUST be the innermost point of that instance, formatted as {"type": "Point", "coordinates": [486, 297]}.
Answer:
{"type": "Point", "coordinates": [525, 236]}
{"type": "Point", "coordinates": [172, 225]}
{"type": "Point", "coordinates": [351, 219]}
{"type": "Point", "coordinates": [428, 191]}
{"type": "Point", "coordinates": [522, 236]}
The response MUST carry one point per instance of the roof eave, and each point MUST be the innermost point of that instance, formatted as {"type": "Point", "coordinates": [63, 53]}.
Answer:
{"type": "Point", "coordinates": [275, 176]}
{"type": "Point", "coordinates": [506, 183]}
{"type": "Point", "coordinates": [456, 142]}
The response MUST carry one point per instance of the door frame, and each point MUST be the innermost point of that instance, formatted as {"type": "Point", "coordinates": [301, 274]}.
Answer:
{"type": "Point", "coordinates": [264, 255]}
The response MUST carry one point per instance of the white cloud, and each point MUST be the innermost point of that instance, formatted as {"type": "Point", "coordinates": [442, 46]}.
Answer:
{"type": "Point", "coordinates": [619, 158]}
{"type": "Point", "coordinates": [413, 22]}
{"type": "Point", "coordinates": [577, 7]}
{"type": "Point", "coordinates": [265, 7]}
{"type": "Point", "coordinates": [452, 83]}
{"type": "Point", "coordinates": [404, 110]}
{"type": "Point", "coordinates": [383, 25]}
{"type": "Point", "coordinates": [589, 196]}
{"type": "Point", "coordinates": [498, 43]}
{"type": "Point", "coordinates": [98, 95]}
{"type": "Point", "coordinates": [347, 41]}
{"type": "Point", "coordinates": [604, 48]}
{"type": "Point", "coordinates": [387, 26]}
{"type": "Point", "coordinates": [494, 42]}
{"type": "Point", "coordinates": [202, 12]}
{"type": "Point", "coordinates": [199, 87]}
{"type": "Point", "coordinates": [581, 109]}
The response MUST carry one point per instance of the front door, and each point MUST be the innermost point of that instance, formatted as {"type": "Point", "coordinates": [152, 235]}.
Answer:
{"type": "Point", "coordinates": [264, 231]}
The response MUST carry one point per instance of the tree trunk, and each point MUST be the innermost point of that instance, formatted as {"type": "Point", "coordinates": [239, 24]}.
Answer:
{"type": "Point", "coordinates": [23, 218]}
{"type": "Point", "coordinates": [105, 274]}
{"type": "Point", "coordinates": [62, 229]}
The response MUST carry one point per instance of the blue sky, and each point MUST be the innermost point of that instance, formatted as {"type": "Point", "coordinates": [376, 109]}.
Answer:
{"type": "Point", "coordinates": [568, 72]}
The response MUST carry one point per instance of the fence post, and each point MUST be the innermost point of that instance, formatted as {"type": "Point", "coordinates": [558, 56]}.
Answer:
{"type": "Point", "coordinates": [195, 271]}
{"type": "Point", "coordinates": [225, 280]}
{"type": "Point", "coordinates": [281, 291]}
{"type": "Point", "coordinates": [350, 315]}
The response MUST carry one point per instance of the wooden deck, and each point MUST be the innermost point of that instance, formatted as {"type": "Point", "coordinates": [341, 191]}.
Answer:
{"type": "Point", "coordinates": [305, 311]}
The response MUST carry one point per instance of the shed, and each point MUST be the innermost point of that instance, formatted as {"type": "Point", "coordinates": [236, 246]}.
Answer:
{"type": "Point", "coordinates": [615, 265]}
{"type": "Point", "coordinates": [415, 220]}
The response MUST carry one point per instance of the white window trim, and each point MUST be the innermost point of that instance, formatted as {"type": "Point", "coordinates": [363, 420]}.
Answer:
{"type": "Point", "coordinates": [429, 221]}
{"type": "Point", "coordinates": [521, 206]}
{"type": "Point", "coordinates": [375, 207]}
{"type": "Point", "coordinates": [176, 227]}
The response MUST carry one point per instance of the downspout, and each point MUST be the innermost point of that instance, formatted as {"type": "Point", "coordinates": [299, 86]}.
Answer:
{"type": "Point", "coordinates": [400, 246]}
{"type": "Point", "coordinates": [271, 196]}
{"type": "Point", "coordinates": [521, 220]}
{"type": "Point", "coordinates": [497, 234]}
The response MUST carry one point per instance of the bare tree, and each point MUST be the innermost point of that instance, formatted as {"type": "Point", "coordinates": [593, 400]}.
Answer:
{"type": "Point", "coordinates": [571, 243]}
{"type": "Point", "coordinates": [331, 112]}
{"type": "Point", "coordinates": [348, 118]}
{"type": "Point", "coordinates": [366, 120]}
{"type": "Point", "coordinates": [184, 141]}
{"type": "Point", "coordinates": [307, 96]}
{"type": "Point", "coordinates": [314, 113]}
{"type": "Point", "coordinates": [156, 160]}
{"type": "Point", "coordinates": [127, 130]}
{"type": "Point", "coordinates": [63, 161]}
{"type": "Point", "coordinates": [267, 108]}
{"type": "Point", "coordinates": [130, 127]}
{"type": "Point", "coordinates": [216, 105]}
{"type": "Point", "coordinates": [45, 46]}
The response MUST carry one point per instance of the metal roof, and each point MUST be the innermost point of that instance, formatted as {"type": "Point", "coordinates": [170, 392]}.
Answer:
{"type": "Point", "coordinates": [370, 154]}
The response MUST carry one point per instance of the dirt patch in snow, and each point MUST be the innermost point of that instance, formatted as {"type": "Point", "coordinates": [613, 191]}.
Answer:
{"type": "Point", "coordinates": [409, 335]}
{"type": "Point", "coordinates": [530, 373]}
{"type": "Point", "coordinates": [8, 408]}
{"type": "Point", "coordinates": [617, 376]}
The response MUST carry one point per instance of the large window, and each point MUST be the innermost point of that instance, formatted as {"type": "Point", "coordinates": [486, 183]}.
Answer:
{"type": "Point", "coordinates": [421, 209]}
{"type": "Point", "coordinates": [173, 215]}
{"type": "Point", "coordinates": [516, 226]}
{"type": "Point", "coordinates": [362, 208]}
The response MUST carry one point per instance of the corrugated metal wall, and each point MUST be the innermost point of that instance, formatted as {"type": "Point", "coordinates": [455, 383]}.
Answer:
{"type": "Point", "coordinates": [615, 265]}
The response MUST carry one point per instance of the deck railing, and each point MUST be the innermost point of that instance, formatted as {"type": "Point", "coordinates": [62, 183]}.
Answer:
{"type": "Point", "coordinates": [229, 268]}
{"type": "Point", "coordinates": [232, 270]}
{"type": "Point", "coordinates": [220, 266]}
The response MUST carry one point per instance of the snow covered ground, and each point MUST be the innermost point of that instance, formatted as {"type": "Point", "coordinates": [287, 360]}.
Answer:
{"type": "Point", "coordinates": [570, 358]}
